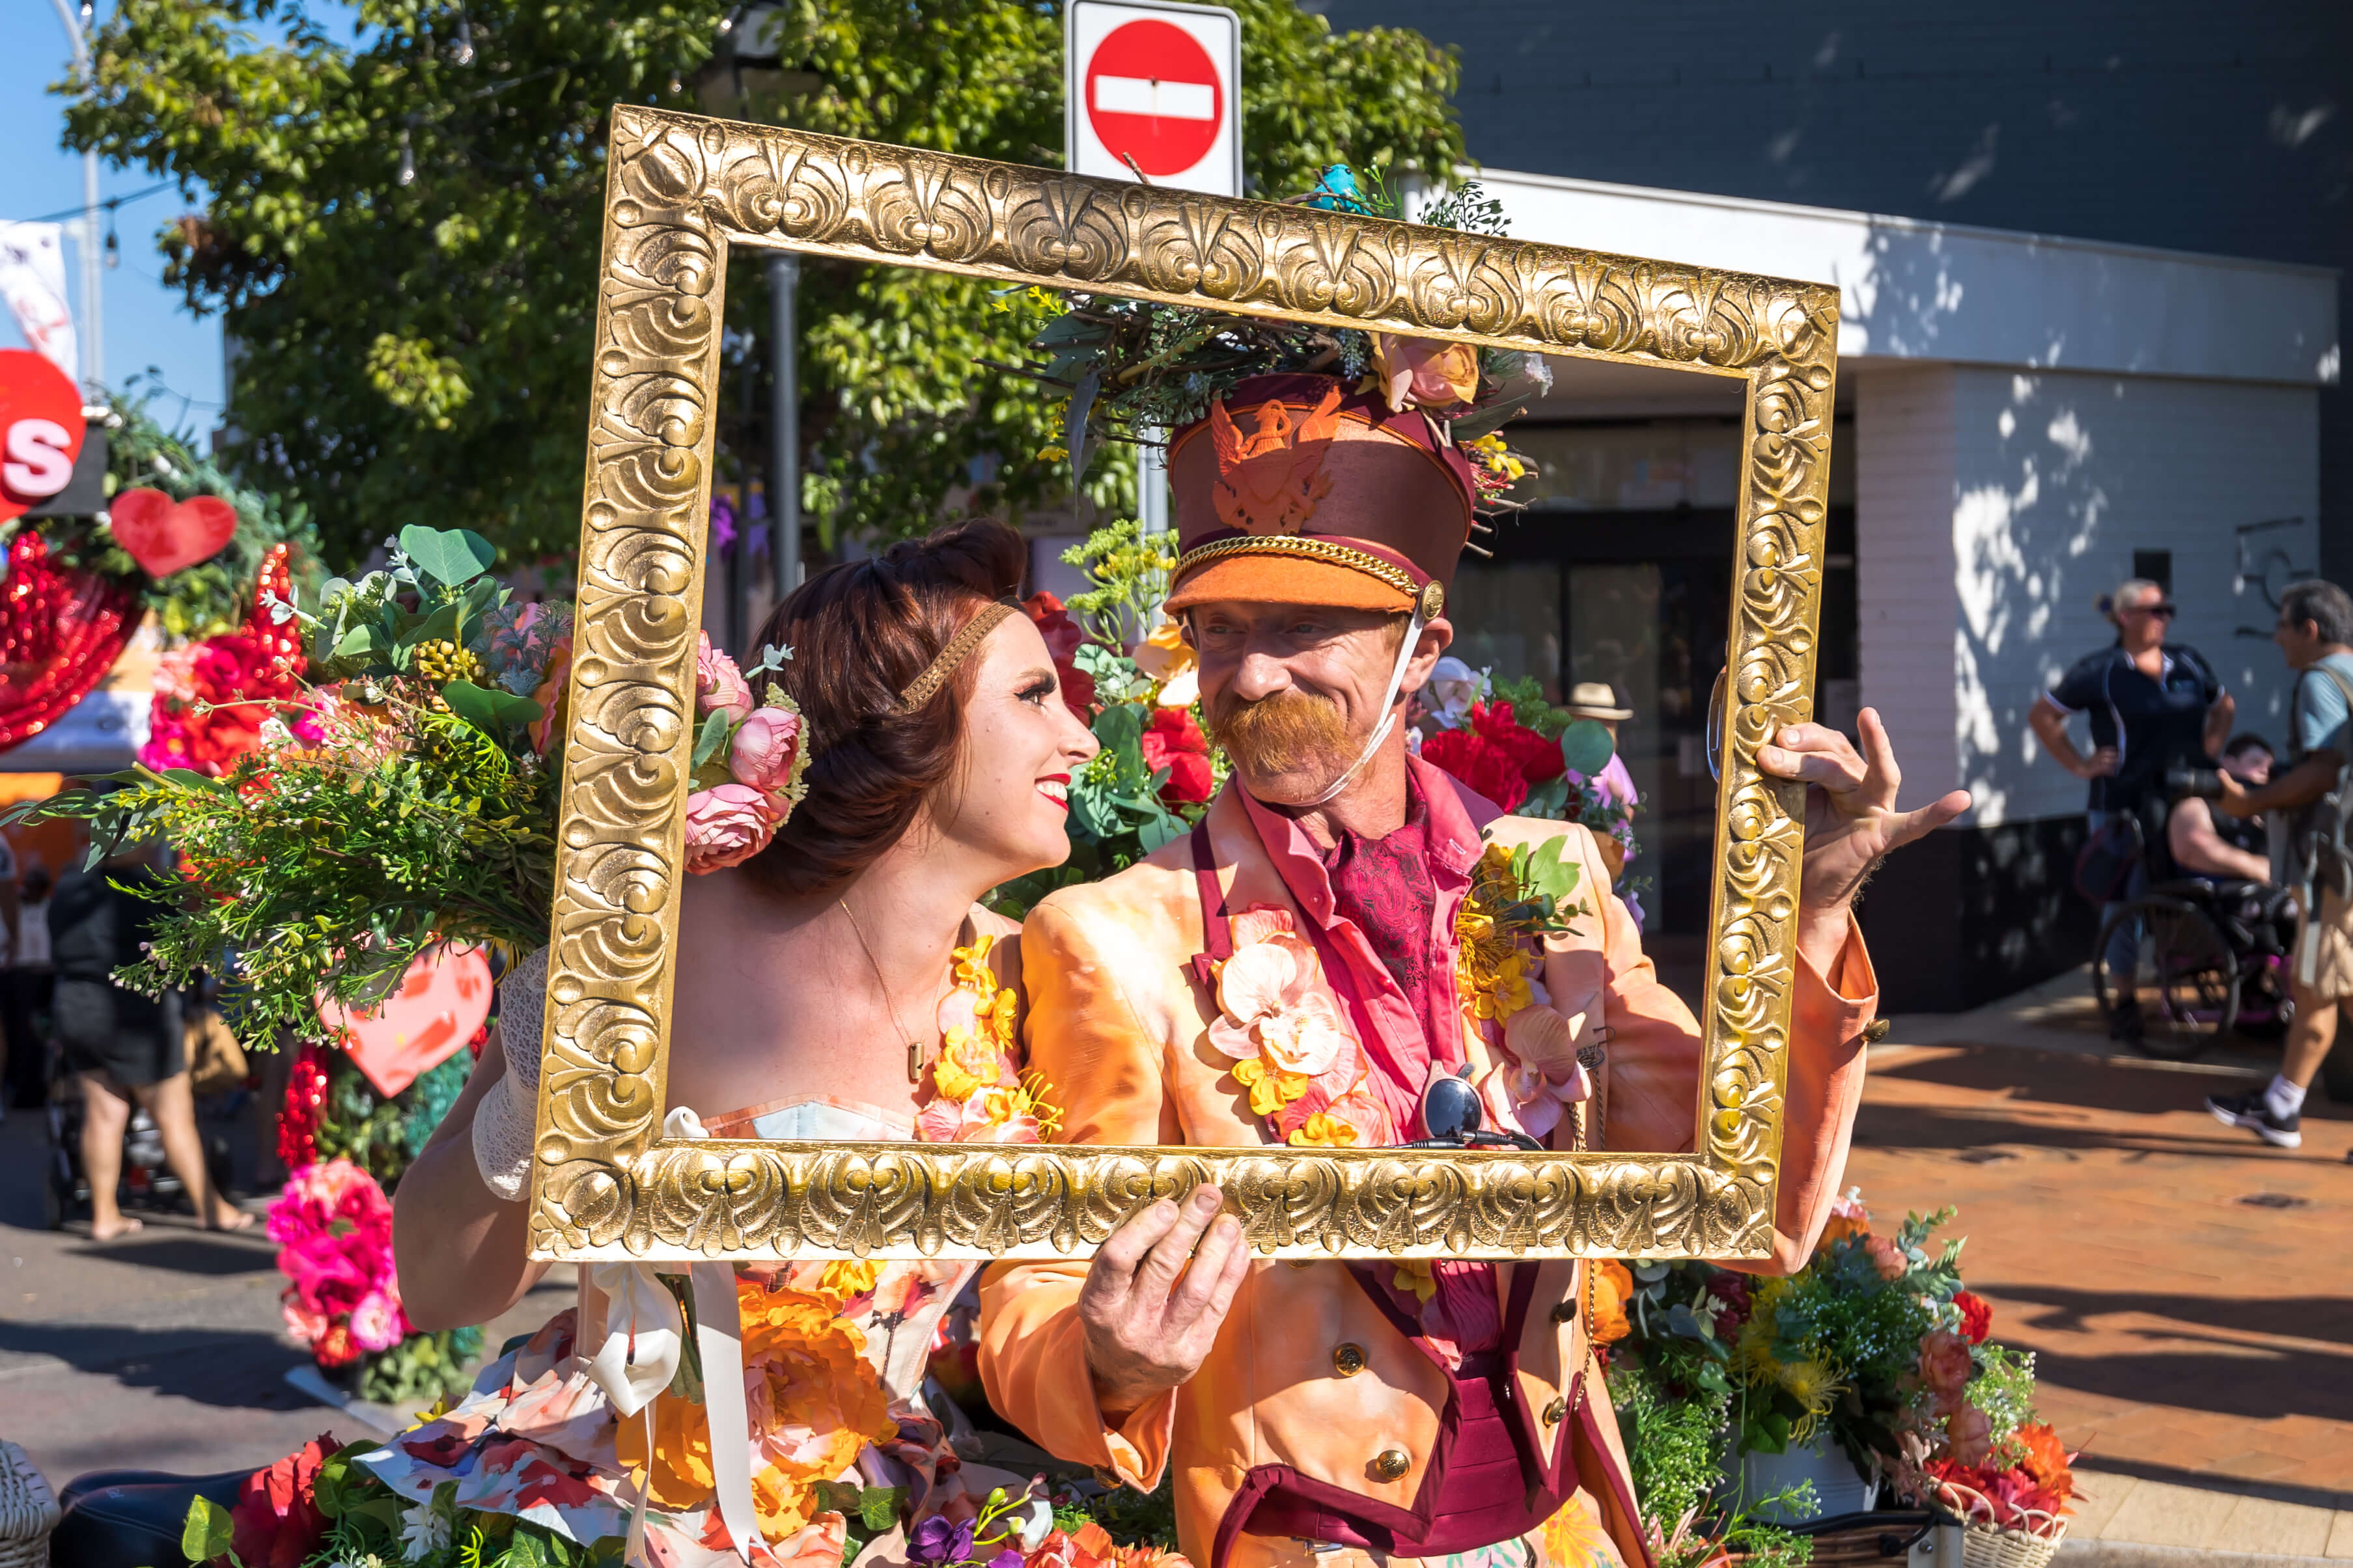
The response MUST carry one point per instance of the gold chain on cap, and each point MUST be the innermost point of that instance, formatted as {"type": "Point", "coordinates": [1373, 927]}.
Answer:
{"type": "Point", "coordinates": [1355, 559]}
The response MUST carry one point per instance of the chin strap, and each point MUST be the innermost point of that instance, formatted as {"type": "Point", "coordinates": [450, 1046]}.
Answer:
{"type": "Point", "coordinates": [1389, 710]}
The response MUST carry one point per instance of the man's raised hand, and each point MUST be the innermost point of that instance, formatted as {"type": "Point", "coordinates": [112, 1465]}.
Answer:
{"type": "Point", "coordinates": [1852, 822]}
{"type": "Point", "coordinates": [1153, 1304]}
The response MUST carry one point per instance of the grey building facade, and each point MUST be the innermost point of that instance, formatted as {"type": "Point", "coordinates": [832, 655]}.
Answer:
{"type": "Point", "coordinates": [2224, 132]}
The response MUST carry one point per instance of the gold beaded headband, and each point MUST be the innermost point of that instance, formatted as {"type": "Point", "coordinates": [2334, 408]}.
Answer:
{"type": "Point", "coordinates": [924, 686]}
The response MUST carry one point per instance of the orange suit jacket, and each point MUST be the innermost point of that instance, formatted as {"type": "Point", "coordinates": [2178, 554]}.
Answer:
{"type": "Point", "coordinates": [1118, 1025]}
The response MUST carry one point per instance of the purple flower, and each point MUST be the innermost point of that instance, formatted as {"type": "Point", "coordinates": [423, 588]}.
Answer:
{"type": "Point", "coordinates": [938, 1542]}
{"type": "Point", "coordinates": [723, 523]}
{"type": "Point", "coordinates": [1009, 1558]}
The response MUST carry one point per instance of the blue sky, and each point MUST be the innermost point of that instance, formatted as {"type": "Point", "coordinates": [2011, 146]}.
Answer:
{"type": "Point", "coordinates": [146, 324]}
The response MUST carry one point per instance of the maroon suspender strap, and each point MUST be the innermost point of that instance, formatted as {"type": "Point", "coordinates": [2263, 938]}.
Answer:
{"type": "Point", "coordinates": [1216, 926]}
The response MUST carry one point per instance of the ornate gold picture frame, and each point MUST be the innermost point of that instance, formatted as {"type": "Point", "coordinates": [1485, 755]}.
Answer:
{"type": "Point", "coordinates": [681, 193]}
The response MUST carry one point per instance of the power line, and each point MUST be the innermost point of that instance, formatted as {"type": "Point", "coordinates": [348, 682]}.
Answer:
{"type": "Point", "coordinates": [110, 203]}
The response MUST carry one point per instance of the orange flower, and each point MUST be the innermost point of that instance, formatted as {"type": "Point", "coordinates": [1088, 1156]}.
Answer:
{"type": "Point", "coordinates": [1322, 1130]}
{"type": "Point", "coordinates": [1613, 1287]}
{"type": "Point", "coordinates": [814, 1402]}
{"type": "Point", "coordinates": [1840, 1227]}
{"type": "Point", "coordinates": [2047, 1461]}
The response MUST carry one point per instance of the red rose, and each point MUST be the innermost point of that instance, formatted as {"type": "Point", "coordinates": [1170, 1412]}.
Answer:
{"type": "Point", "coordinates": [1478, 762]}
{"type": "Point", "coordinates": [276, 1522]}
{"type": "Point", "coordinates": [1976, 1316]}
{"type": "Point", "coordinates": [1062, 639]}
{"type": "Point", "coordinates": [1537, 758]}
{"type": "Point", "coordinates": [1172, 741]}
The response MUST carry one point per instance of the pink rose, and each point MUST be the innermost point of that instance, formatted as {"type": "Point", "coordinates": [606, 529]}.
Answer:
{"type": "Point", "coordinates": [1971, 1432]}
{"type": "Point", "coordinates": [377, 1323]}
{"type": "Point", "coordinates": [768, 746]}
{"type": "Point", "coordinates": [1945, 1366]}
{"type": "Point", "coordinates": [1886, 1257]}
{"type": "Point", "coordinates": [1417, 373]}
{"type": "Point", "coordinates": [306, 1323]}
{"type": "Point", "coordinates": [719, 686]}
{"type": "Point", "coordinates": [726, 826]}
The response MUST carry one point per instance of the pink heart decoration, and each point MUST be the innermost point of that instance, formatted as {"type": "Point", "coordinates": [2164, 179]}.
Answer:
{"type": "Point", "coordinates": [442, 1000]}
{"type": "Point", "coordinates": [164, 536]}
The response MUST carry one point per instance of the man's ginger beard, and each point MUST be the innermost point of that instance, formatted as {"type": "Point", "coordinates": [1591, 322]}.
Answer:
{"type": "Point", "coordinates": [1285, 731]}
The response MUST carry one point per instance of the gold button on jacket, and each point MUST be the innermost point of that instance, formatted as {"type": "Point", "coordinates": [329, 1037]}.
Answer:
{"type": "Point", "coordinates": [1348, 1360]}
{"type": "Point", "coordinates": [1391, 1464]}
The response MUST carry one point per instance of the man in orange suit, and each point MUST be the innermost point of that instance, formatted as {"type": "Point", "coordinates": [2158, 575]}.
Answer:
{"type": "Point", "coordinates": [1302, 969]}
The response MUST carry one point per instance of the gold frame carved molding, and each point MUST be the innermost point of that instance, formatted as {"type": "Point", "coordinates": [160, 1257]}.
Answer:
{"type": "Point", "coordinates": [681, 193]}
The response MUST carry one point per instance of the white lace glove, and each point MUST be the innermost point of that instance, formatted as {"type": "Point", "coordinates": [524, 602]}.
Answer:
{"type": "Point", "coordinates": [505, 1117]}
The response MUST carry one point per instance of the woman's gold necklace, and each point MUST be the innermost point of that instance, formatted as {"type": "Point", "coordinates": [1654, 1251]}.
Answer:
{"type": "Point", "coordinates": [914, 1047]}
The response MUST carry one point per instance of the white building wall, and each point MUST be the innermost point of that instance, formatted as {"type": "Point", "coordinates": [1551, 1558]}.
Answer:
{"type": "Point", "coordinates": [1904, 487]}
{"type": "Point", "coordinates": [1994, 508]}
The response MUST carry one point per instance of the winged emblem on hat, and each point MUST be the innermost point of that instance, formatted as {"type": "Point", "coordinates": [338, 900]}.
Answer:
{"type": "Point", "coordinates": [1270, 481]}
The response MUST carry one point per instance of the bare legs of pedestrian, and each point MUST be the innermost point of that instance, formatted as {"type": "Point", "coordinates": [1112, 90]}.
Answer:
{"type": "Point", "coordinates": [105, 1116]}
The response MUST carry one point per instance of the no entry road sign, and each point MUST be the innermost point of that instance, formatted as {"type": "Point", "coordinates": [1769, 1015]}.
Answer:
{"type": "Point", "coordinates": [1157, 83]}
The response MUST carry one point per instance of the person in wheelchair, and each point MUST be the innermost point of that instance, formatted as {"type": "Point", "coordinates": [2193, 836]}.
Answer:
{"type": "Point", "coordinates": [2211, 930]}
{"type": "Point", "coordinates": [2206, 843]}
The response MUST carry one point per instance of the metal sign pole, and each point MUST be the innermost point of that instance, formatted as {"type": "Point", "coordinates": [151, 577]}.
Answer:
{"type": "Point", "coordinates": [785, 423]}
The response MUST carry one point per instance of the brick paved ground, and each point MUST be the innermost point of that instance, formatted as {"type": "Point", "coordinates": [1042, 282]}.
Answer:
{"type": "Point", "coordinates": [2189, 1291]}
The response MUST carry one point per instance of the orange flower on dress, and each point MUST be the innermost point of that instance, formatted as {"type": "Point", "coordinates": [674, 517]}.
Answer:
{"type": "Point", "coordinates": [1613, 1287]}
{"type": "Point", "coordinates": [814, 1403]}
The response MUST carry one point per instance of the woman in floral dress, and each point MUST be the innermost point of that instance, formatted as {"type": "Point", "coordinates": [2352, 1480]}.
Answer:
{"type": "Point", "coordinates": [841, 907]}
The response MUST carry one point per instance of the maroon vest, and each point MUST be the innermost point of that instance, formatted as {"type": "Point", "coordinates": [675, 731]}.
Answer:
{"type": "Point", "coordinates": [1486, 1481]}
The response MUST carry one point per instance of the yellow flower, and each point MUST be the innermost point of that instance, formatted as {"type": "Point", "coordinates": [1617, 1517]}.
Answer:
{"type": "Point", "coordinates": [1271, 1089]}
{"type": "Point", "coordinates": [972, 965]}
{"type": "Point", "coordinates": [1052, 454]}
{"type": "Point", "coordinates": [1322, 1130]}
{"type": "Point", "coordinates": [1414, 1274]}
{"type": "Point", "coordinates": [953, 1075]}
{"type": "Point", "coordinates": [848, 1278]}
{"type": "Point", "coordinates": [1000, 1016]}
{"type": "Point", "coordinates": [1810, 1383]}
{"type": "Point", "coordinates": [1576, 1537]}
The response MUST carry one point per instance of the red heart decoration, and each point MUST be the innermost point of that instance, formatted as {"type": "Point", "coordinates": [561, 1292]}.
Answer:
{"type": "Point", "coordinates": [442, 1000]}
{"type": "Point", "coordinates": [164, 538]}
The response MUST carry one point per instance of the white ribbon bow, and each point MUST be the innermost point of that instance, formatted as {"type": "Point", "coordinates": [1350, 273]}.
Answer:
{"type": "Point", "coordinates": [639, 1336]}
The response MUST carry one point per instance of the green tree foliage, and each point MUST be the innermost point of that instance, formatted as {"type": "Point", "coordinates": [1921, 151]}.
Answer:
{"type": "Point", "coordinates": [417, 350]}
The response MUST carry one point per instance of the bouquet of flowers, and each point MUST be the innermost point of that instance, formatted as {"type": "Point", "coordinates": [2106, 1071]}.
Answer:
{"type": "Point", "coordinates": [1129, 676]}
{"type": "Point", "coordinates": [1137, 369]}
{"type": "Point", "coordinates": [414, 806]}
{"type": "Point", "coordinates": [1873, 1346]}
{"type": "Point", "coordinates": [1535, 760]}
{"type": "Point", "coordinates": [333, 1229]}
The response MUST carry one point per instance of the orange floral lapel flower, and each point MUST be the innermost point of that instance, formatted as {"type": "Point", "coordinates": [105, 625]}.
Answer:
{"type": "Point", "coordinates": [1279, 1027]}
{"type": "Point", "coordinates": [1613, 1287]}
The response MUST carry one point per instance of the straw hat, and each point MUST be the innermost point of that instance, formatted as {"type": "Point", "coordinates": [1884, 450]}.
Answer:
{"type": "Point", "coordinates": [1595, 699]}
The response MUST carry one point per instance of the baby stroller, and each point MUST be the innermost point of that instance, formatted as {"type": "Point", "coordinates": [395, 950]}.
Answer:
{"type": "Point", "coordinates": [2213, 957]}
{"type": "Point", "coordinates": [147, 1181]}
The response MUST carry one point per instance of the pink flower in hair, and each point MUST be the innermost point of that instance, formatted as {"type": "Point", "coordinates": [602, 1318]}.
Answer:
{"type": "Point", "coordinates": [767, 749]}
{"type": "Point", "coordinates": [726, 826]}
{"type": "Point", "coordinates": [719, 686]}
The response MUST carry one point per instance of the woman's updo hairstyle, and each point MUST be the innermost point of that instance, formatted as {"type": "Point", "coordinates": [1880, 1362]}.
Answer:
{"type": "Point", "coordinates": [861, 634]}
